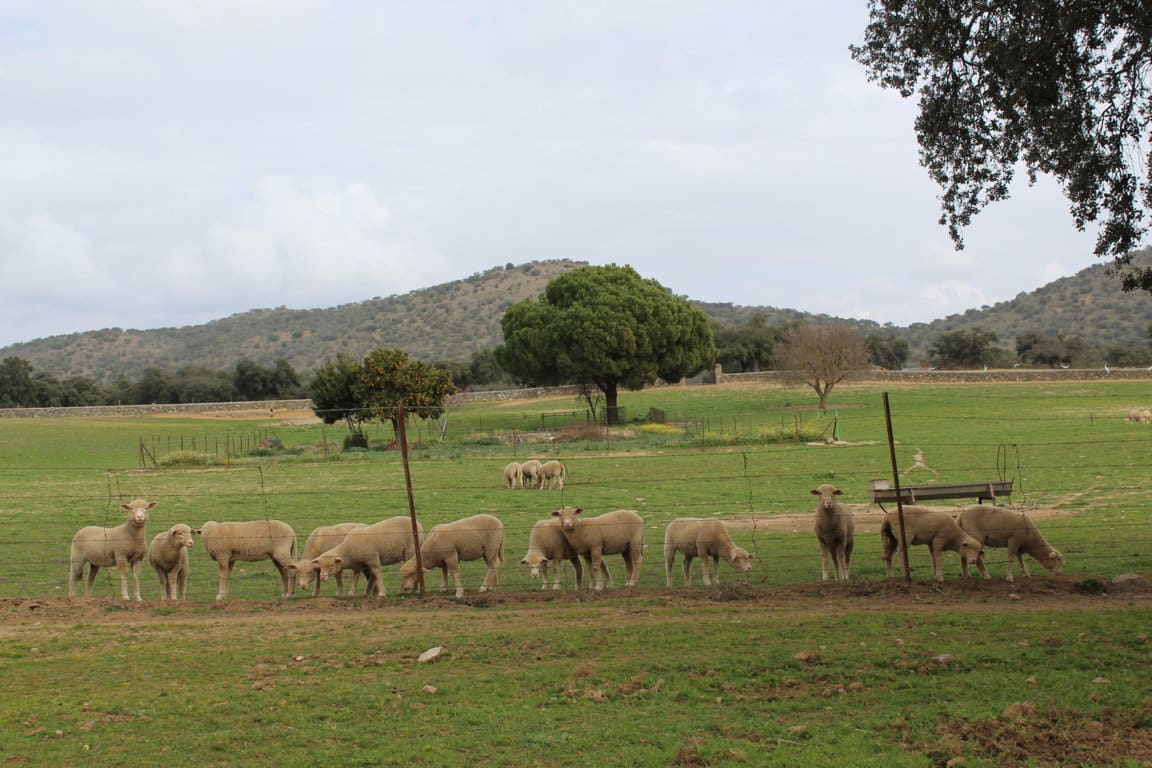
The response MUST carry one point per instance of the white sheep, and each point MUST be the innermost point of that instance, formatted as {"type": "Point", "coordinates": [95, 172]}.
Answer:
{"type": "Point", "coordinates": [449, 544]}
{"type": "Point", "coordinates": [370, 547]}
{"type": "Point", "coordinates": [552, 474]}
{"type": "Point", "coordinates": [999, 527]}
{"type": "Point", "coordinates": [251, 541]}
{"type": "Point", "coordinates": [835, 531]}
{"type": "Point", "coordinates": [168, 555]}
{"type": "Point", "coordinates": [1139, 416]}
{"type": "Point", "coordinates": [703, 538]}
{"type": "Point", "coordinates": [547, 545]}
{"type": "Point", "coordinates": [513, 476]}
{"type": "Point", "coordinates": [613, 533]}
{"type": "Point", "coordinates": [530, 474]}
{"type": "Point", "coordinates": [321, 539]}
{"type": "Point", "coordinates": [933, 527]}
{"type": "Point", "coordinates": [123, 546]}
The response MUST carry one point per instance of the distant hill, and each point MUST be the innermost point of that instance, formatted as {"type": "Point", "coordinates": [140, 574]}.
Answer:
{"type": "Point", "coordinates": [452, 320]}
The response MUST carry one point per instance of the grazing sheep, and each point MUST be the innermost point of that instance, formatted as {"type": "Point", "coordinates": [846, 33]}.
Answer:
{"type": "Point", "coordinates": [513, 477]}
{"type": "Point", "coordinates": [1139, 416]}
{"type": "Point", "coordinates": [320, 540]}
{"type": "Point", "coordinates": [370, 547]}
{"type": "Point", "coordinates": [702, 538]}
{"type": "Point", "coordinates": [613, 533]}
{"type": "Point", "coordinates": [548, 545]}
{"type": "Point", "coordinates": [251, 541]}
{"type": "Point", "coordinates": [530, 474]}
{"type": "Point", "coordinates": [552, 474]}
{"type": "Point", "coordinates": [835, 531]}
{"type": "Point", "coordinates": [449, 544]}
{"type": "Point", "coordinates": [999, 527]}
{"type": "Point", "coordinates": [123, 546]}
{"type": "Point", "coordinates": [933, 527]}
{"type": "Point", "coordinates": [169, 558]}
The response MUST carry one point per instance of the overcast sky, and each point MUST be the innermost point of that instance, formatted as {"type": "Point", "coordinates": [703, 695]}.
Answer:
{"type": "Point", "coordinates": [167, 163]}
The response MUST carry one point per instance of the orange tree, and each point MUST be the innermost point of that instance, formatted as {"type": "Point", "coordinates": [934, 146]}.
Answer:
{"type": "Point", "coordinates": [389, 380]}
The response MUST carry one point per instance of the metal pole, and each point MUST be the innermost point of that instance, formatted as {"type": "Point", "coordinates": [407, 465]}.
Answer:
{"type": "Point", "coordinates": [899, 495]}
{"type": "Point", "coordinates": [403, 435]}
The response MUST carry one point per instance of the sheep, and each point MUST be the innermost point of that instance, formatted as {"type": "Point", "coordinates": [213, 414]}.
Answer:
{"type": "Point", "coordinates": [999, 527]}
{"type": "Point", "coordinates": [933, 527]}
{"type": "Point", "coordinates": [251, 541]}
{"type": "Point", "coordinates": [835, 531]}
{"type": "Point", "coordinates": [169, 558]}
{"type": "Point", "coordinates": [123, 546]}
{"type": "Point", "coordinates": [449, 544]}
{"type": "Point", "coordinates": [513, 476]}
{"type": "Point", "coordinates": [383, 543]}
{"type": "Point", "coordinates": [321, 539]}
{"type": "Point", "coordinates": [548, 545]}
{"type": "Point", "coordinates": [530, 474]}
{"type": "Point", "coordinates": [702, 538]}
{"type": "Point", "coordinates": [552, 474]}
{"type": "Point", "coordinates": [620, 532]}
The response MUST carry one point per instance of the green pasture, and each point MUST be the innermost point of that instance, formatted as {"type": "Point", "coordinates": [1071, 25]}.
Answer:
{"type": "Point", "coordinates": [649, 677]}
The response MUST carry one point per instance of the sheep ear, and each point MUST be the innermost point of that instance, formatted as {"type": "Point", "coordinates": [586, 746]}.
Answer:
{"type": "Point", "coordinates": [337, 560]}
{"type": "Point", "coordinates": [555, 513]}
{"type": "Point", "coordinates": [152, 505]}
{"type": "Point", "coordinates": [815, 491]}
{"type": "Point", "coordinates": [195, 531]}
{"type": "Point", "coordinates": [524, 561]}
{"type": "Point", "coordinates": [837, 492]}
{"type": "Point", "coordinates": [578, 511]}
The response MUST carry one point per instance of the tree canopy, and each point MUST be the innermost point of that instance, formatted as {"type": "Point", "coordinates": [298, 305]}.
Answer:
{"type": "Point", "coordinates": [822, 356]}
{"type": "Point", "coordinates": [607, 326]}
{"type": "Point", "coordinates": [965, 348]}
{"type": "Point", "coordinates": [1060, 86]}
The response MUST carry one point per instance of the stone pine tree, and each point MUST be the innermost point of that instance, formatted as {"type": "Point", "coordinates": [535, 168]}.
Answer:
{"type": "Point", "coordinates": [821, 356]}
{"type": "Point", "coordinates": [1059, 87]}
{"type": "Point", "coordinates": [607, 326]}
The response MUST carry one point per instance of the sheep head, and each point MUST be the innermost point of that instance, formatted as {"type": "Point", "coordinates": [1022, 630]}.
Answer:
{"type": "Point", "coordinates": [327, 565]}
{"type": "Point", "coordinates": [534, 561]}
{"type": "Point", "coordinates": [827, 494]}
{"type": "Point", "coordinates": [1054, 561]}
{"type": "Point", "coordinates": [740, 559]}
{"type": "Point", "coordinates": [567, 517]}
{"type": "Point", "coordinates": [138, 511]}
{"type": "Point", "coordinates": [970, 549]}
{"type": "Point", "coordinates": [180, 535]}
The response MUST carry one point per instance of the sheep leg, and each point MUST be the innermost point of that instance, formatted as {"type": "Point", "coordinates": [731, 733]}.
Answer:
{"type": "Point", "coordinates": [181, 586]}
{"type": "Point", "coordinates": [686, 568]}
{"type": "Point", "coordinates": [715, 570]}
{"type": "Point", "coordinates": [122, 567]}
{"type": "Point", "coordinates": [937, 564]}
{"type": "Point", "coordinates": [825, 558]}
{"type": "Point", "coordinates": [669, 561]}
{"type": "Point", "coordinates": [492, 574]}
{"type": "Point", "coordinates": [287, 580]}
{"type": "Point", "coordinates": [596, 558]}
{"type": "Point", "coordinates": [375, 582]}
{"type": "Point", "coordinates": [847, 560]}
{"type": "Point", "coordinates": [224, 568]}
{"type": "Point", "coordinates": [452, 563]}
{"type": "Point", "coordinates": [135, 568]}
{"type": "Point", "coordinates": [1023, 565]}
{"type": "Point", "coordinates": [635, 556]}
{"type": "Point", "coordinates": [578, 567]}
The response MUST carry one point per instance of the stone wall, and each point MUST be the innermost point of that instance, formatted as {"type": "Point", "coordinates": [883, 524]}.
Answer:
{"type": "Point", "coordinates": [260, 407]}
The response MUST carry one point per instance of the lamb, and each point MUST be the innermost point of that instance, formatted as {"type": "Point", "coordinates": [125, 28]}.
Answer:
{"type": "Point", "coordinates": [449, 544]}
{"type": "Point", "coordinates": [999, 527]}
{"type": "Point", "coordinates": [620, 532]}
{"type": "Point", "coordinates": [513, 476]}
{"type": "Point", "coordinates": [548, 545]}
{"type": "Point", "coordinates": [370, 547]}
{"type": "Point", "coordinates": [169, 558]}
{"type": "Point", "coordinates": [933, 527]}
{"type": "Point", "coordinates": [530, 474]}
{"type": "Point", "coordinates": [320, 540]}
{"type": "Point", "coordinates": [835, 531]}
{"type": "Point", "coordinates": [123, 546]}
{"type": "Point", "coordinates": [251, 541]}
{"type": "Point", "coordinates": [552, 474]}
{"type": "Point", "coordinates": [702, 538]}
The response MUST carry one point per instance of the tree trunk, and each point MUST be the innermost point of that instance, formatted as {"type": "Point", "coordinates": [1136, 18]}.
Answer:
{"type": "Point", "coordinates": [612, 411]}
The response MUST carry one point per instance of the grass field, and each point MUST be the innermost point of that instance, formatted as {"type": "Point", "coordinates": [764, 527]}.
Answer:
{"type": "Point", "coordinates": [773, 668]}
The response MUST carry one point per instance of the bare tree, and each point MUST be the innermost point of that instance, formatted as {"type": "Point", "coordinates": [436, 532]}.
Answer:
{"type": "Point", "coordinates": [821, 356]}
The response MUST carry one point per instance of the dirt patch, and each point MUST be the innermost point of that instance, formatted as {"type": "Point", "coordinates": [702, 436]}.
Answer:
{"type": "Point", "coordinates": [867, 517]}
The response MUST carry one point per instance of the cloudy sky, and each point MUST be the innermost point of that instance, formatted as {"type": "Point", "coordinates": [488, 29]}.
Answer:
{"type": "Point", "coordinates": [166, 163]}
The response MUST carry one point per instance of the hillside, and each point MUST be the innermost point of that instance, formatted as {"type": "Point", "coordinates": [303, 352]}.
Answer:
{"type": "Point", "coordinates": [452, 320]}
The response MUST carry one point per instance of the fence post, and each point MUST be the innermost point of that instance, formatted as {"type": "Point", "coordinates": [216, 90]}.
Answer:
{"type": "Point", "coordinates": [401, 417]}
{"type": "Point", "coordinates": [899, 495]}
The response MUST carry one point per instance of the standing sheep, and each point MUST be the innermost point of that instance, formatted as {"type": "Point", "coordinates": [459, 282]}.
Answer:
{"type": "Point", "coordinates": [999, 527]}
{"type": "Point", "coordinates": [449, 544]}
{"type": "Point", "coordinates": [613, 533]}
{"type": "Point", "coordinates": [552, 474]}
{"type": "Point", "coordinates": [169, 558]}
{"type": "Point", "coordinates": [530, 474]}
{"type": "Point", "coordinates": [548, 545]}
{"type": "Point", "coordinates": [123, 546]}
{"type": "Point", "coordinates": [696, 537]}
{"type": "Point", "coordinates": [320, 540]}
{"type": "Point", "coordinates": [933, 527]}
{"type": "Point", "coordinates": [370, 547]}
{"type": "Point", "coordinates": [513, 476]}
{"type": "Point", "coordinates": [251, 541]}
{"type": "Point", "coordinates": [835, 531]}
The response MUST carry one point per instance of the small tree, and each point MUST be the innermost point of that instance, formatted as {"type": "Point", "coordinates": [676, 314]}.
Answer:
{"type": "Point", "coordinates": [889, 352]}
{"type": "Point", "coordinates": [821, 356]}
{"type": "Point", "coordinates": [335, 396]}
{"type": "Point", "coordinates": [965, 348]}
{"type": "Point", "coordinates": [388, 380]}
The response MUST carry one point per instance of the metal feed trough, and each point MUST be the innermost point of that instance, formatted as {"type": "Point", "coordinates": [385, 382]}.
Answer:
{"type": "Point", "coordinates": [881, 491]}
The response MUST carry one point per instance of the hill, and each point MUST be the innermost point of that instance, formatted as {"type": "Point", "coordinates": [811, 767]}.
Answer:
{"type": "Point", "coordinates": [452, 320]}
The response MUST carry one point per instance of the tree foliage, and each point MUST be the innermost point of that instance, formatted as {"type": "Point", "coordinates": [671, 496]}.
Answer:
{"type": "Point", "coordinates": [389, 380]}
{"type": "Point", "coordinates": [887, 351]}
{"type": "Point", "coordinates": [822, 356]}
{"type": "Point", "coordinates": [747, 347]}
{"type": "Point", "coordinates": [1037, 348]}
{"type": "Point", "coordinates": [1061, 86]}
{"type": "Point", "coordinates": [608, 326]}
{"type": "Point", "coordinates": [965, 348]}
{"type": "Point", "coordinates": [335, 393]}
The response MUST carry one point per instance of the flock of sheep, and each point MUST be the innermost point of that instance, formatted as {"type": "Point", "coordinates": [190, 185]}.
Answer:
{"type": "Point", "coordinates": [566, 536]}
